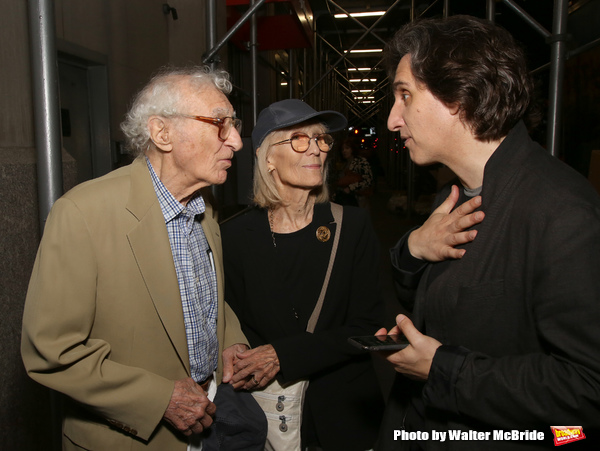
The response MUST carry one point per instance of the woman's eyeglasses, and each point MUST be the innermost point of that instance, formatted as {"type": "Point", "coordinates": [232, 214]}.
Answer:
{"type": "Point", "coordinates": [224, 123]}
{"type": "Point", "coordinates": [300, 142]}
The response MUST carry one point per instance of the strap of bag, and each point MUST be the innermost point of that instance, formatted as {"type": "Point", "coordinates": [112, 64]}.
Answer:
{"type": "Point", "coordinates": [338, 213]}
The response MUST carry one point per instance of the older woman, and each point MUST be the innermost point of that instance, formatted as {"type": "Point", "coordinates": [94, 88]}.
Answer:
{"type": "Point", "coordinates": [276, 256]}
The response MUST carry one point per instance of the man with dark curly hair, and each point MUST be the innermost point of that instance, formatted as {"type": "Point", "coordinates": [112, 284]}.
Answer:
{"type": "Point", "coordinates": [503, 278]}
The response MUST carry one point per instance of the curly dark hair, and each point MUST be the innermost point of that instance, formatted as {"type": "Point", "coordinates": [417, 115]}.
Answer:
{"type": "Point", "coordinates": [472, 64]}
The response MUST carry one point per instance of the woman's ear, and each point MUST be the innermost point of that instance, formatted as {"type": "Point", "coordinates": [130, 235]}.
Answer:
{"type": "Point", "coordinates": [159, 133]}
{"type": "Point", "coordinates": [270, 167]}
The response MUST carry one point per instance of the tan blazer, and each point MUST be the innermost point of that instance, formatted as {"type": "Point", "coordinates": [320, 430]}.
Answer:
{"type": "Point", "coordinates": [103, 321]}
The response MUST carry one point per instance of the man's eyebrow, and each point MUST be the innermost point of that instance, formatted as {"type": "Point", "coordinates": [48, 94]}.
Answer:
{"type": "Point", "coordinates": [221, 111]}
{"type": "Point", "coordinates": [399, 85]}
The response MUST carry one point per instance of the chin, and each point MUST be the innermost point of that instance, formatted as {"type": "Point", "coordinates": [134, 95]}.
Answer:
{"type": "Point", "coordinates": [417, 159]}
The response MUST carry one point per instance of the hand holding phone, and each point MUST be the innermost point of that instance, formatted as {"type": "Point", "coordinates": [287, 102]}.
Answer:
{"type": "Point", "coordinates": [379, 342]}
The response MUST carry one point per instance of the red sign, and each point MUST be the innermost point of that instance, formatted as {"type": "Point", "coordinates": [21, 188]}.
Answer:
{"type": "Point", "coordinates": [567, 434]}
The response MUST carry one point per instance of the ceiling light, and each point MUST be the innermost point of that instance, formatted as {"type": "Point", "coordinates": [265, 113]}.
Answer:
{"type": "Point", "coordinates": [359, 80]}
{"type": "Point", "coordinates": [362, 69]}
{"type": "Point", "coordinates": [362, 90]}
{"type": "Point", "coordinates": [364, 51]}
{"type": "Point", "coordinates": [284, 83]}
{"type": "Point", "coordinates": [361, 14]}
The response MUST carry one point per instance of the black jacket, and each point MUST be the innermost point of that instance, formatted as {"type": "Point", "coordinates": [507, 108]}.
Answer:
{"type": "Point", "coordinates": [518, 315]}
{"type": "Point", "coordinates": [343, 396]}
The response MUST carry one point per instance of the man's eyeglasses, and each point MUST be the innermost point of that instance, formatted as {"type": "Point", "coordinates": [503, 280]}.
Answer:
{"type": "Point", "coordinates": [224, 123]}
{"type": "Point", "coordinates": [301, 142]}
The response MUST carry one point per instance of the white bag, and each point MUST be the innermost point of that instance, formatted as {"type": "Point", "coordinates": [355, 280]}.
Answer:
{"type": "Point", "coordinates": [283, 408]}
{"type": "Point", "coordinates": [283, 404]}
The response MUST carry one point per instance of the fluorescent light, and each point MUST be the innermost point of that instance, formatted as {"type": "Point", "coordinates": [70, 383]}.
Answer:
{"type": "Point", "coordinates": [362, 14]}
{"type": "Point", "coordinates": [362, 90]}
{"type": "Point", "coordinates": [284, 83]}
{"type": "Point", "coordinates": [362, 69]}
{"type": "Point", "coordinates": [364, 97]}
{"type": "Point", "coordinates": [364, 51]}
{"type": "Point", "coordinates": [359, 80]}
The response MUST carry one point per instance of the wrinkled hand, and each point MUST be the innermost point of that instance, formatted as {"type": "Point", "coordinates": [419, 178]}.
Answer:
{"type": "Point", "coordinates": [230, 358]}
{"type": "Point", "coordinates": [414, 361]}
{"type": "Point", "coordinates": [255, 368]}
{"type": "Point", "coordinates": [437, 238]}
{"type": "Point", "coordinates": [189, 410]}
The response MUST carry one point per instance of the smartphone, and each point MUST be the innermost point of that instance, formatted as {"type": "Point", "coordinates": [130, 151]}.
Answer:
{"type": "Point", "coordinates": [380, 342]}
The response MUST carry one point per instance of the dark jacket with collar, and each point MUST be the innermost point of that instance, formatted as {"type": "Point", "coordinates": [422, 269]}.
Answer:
{"type": "Point", "coordinates": [343, 395]}
{"type": "Point", "coordinates": [518, 315]}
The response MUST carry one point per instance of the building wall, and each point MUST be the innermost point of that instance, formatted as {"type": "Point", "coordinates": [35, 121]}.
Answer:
{"type": "Point", "coordinates": [133, 38]}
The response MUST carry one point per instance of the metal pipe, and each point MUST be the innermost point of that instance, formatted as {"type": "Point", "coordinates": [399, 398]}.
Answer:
{"type": "Point", "coordinates": [570, 54]}
{"type": "Point", "coordinates": [291, 68]}
{"type": "Point", "coordinates": [352, 47]}
{"type": "Point", "coordinates": [254, 64]}
{"type": "Point", "coordinates": [315, 66]}
{"type": "Point", "coordinates": [584, 48]}
{"type": "Point", "coordinates": [446, 10]}
{"type": "Point", "coordinates": [209, 56]}
{"type": "Point", "coordinates": [46, 109]}
{"type": "Point", "coordinates": [558, 54]}
{"type": "Point", "coordinates": [46, 115]}
{"type": "Point", "coordinates": [523, 14]}
{"type": "Point", "coordinates": [356, 21]}
{"type": "Point", "coordinates": [305, 66]}
{"type": "Point", "coordinates": [490, 11]}
{"type": "Point", "coordinates": [211, 27]}
{"type": "Point", "coordinates": [427, 9]}
{"type": "Point", "coordinates": [211, 39]}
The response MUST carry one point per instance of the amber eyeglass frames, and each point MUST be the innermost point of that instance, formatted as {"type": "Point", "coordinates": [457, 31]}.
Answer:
{"type": "Point", "coordinates": [300, 142]}
{"type": "Point", "coordinates": [225, 124]}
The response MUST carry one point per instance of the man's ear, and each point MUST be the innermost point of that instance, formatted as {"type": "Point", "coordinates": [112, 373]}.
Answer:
{"type": "Point", "coordinates": [454, 108]}
{"type": "Point", "coordinates": [159, 133]}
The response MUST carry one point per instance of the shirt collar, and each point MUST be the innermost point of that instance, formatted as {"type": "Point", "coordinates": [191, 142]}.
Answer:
{"type": "Point", "coordinates": [170, 206]}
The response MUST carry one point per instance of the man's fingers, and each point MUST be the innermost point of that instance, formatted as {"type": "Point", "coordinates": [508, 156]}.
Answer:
{"type": "Point", "coordinates": [461, 238]}
{"type": "Point", "coordinates": [407, 328]}
{"type": "Point", "coordinates": [447, 206]}
{"type": "Point", "coordinates": [465, 215]}
{"type": "Point", "coordinates": [469, 206]}
{"type": "Point", "coordinates": [206, 421]}
{"type": "Point", "coordinates": [211, 409]}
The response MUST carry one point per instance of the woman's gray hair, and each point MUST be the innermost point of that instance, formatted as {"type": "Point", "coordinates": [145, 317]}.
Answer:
{"type": "Point", "coordinates": [265, 189]}
{"type": "Point", "coordinates": [162, 97]}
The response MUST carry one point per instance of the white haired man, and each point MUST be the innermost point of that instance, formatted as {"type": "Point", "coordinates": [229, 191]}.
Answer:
{"type": "Point", "coordinates": [125, 312]}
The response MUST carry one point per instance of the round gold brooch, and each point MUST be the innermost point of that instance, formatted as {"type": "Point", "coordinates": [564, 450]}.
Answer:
{"type": "Point", "coordinates": [323, 234]}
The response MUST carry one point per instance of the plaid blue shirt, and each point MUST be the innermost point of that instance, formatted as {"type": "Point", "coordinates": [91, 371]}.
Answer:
{"type": "Point", "coordinates": [196, 276]}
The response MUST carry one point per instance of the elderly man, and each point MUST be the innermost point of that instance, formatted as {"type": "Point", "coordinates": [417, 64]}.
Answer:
{"type": "Point", "coordinates": [506, 287]}
{"type": "Point", "coordinates": [125, 312]}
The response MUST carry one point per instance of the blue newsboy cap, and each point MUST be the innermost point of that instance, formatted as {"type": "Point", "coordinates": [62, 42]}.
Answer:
{"type": "Point", "coordinates": [286, 113]}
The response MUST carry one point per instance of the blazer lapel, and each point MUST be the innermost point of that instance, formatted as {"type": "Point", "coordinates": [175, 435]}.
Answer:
{"type": "Point", "coordinates": [149, 242]}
